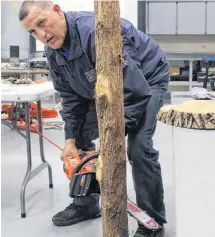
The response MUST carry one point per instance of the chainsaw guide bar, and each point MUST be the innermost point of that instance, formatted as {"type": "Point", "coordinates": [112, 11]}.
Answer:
{"type": "Point", "coordinates": [141, 216]}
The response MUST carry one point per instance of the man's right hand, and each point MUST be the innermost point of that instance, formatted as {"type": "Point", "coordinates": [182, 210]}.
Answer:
{"type": "Point", "coordinates": [69, 149]}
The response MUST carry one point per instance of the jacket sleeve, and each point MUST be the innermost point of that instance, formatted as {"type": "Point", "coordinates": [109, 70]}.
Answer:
{"type": "Point", "coordinates": [136, 88]}
{"type": "Point", "coordinates": [74, 107]}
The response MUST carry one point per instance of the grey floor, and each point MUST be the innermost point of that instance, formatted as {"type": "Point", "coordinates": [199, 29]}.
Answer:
{"type": "Point", "coordinates": [42, 203]}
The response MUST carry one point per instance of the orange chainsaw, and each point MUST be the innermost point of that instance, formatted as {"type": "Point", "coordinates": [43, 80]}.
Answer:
{"type": "Point", "coordinates": [71, 162]}
{"type": "Point", "coordinates": [46, 113]}
{"type": "Point", "coordinates": [17, 113]}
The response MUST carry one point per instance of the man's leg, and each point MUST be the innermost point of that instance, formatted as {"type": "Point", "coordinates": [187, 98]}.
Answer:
{"type": "Point", "coordinates": [143, 157]}
{"type": "Point", "coordinates": [87, 207]}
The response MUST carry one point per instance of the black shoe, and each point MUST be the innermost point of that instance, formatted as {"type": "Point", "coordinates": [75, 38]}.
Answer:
{"type": "Point", "coordinates": [74, 214]}
{"type": "Point", "coordinates": [144, 232]}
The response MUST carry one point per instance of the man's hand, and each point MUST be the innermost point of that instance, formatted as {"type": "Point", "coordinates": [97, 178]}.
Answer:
{"type": "Point", "coordinates": [70, 149]}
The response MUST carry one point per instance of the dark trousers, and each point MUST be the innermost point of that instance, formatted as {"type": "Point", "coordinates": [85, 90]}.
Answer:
{"type": "Point", "coordinates": [146, 170]}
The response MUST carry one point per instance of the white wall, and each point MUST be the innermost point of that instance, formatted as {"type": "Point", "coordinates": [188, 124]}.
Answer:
{"type": "Point", "coordinates": [128, 10]}
{"type": "Point", "coordinates": [11, 31]}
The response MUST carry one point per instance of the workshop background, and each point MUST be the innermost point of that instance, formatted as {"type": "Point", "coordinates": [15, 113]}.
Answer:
{"type": "Point", "coordinates": [185, 30]}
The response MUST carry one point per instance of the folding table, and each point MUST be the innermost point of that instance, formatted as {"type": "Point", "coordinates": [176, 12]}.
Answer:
{"type": "Point", "coordinates": [26, 94]}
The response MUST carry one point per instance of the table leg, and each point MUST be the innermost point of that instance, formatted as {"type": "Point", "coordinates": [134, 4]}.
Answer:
{"type": "Point", "coordinates": [41, 144]}
{"type": "Point", "coordinates": [53, 100]}
{"type": "Point", "coordinates": [28, 173]}
{"type": "Point", "coordinates": [205, 83]}
{"type": "Point", "coordinates": [190, 74]}
{"type": "Point", "coordinates": [12, 114]}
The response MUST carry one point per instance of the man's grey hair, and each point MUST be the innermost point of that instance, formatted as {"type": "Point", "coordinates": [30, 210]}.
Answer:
{"type": "Point", "coordinates": [26, 6]}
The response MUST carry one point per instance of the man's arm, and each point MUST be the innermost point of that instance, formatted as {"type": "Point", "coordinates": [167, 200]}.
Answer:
{"type": "Point", "coordinates": [136, 88]}
{"type": "Point", "coordinates": [74, 107]}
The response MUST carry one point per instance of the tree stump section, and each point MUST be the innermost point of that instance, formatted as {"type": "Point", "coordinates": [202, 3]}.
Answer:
{"type": "Point", "coordinates": [192, 114]}
{"type": "Point", "coordinates": [111, 166]}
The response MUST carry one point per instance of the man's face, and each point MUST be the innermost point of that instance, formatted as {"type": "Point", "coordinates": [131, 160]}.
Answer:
{"type": "Point", "coordinates": [46, 25]}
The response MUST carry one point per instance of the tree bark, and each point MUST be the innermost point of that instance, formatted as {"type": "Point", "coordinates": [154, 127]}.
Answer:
{"type": "Point", "coordinates": [111, 166]}
{"type": "Point", "coordinates": [192, 114]}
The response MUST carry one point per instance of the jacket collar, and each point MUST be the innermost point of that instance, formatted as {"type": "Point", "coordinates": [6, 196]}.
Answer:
{"type": "Point", "coordinates": [75, 49]}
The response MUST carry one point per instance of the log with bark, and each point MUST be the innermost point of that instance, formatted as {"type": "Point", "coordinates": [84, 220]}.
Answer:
{"type": "Point", "coordinates": [192, 114]}
{"type": "Point", "coordinates": [111, 167]}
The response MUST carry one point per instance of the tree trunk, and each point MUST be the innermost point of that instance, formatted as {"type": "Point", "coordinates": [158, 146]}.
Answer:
{"type": "Point", "coordinates": [111, 166]}
{"type": "Point", "coordinates": [193, 114]}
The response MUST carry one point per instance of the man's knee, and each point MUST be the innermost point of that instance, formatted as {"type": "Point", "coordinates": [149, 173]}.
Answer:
{"type": "Point", "coordinates": [141, 150]}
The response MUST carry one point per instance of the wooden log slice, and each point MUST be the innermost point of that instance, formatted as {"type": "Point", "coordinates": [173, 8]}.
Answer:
{"type": "Point", "coordinates": [192, 114]}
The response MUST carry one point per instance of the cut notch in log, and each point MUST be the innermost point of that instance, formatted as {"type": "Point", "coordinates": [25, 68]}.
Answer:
{"type": "Point", "coordinates": [192, 114]}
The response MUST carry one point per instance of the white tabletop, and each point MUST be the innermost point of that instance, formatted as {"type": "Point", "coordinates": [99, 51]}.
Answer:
{"type": "Point", "coordinates": [26, 93]}
{"type": "Point", "coordinates": [179, 97]}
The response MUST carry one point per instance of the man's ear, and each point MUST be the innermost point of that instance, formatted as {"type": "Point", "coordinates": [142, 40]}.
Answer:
{"type": "Point", "coordinates": [56, 8]}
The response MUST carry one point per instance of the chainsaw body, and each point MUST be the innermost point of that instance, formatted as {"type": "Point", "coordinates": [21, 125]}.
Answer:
{"type": "Point", "coordinates": [83, 183]}
{"type": "Point", "coordinates": [11, 110]}
{"type": "Point", "coordinates": [82, 173]}
{"type": "Point", "coordinates": [16, 113]}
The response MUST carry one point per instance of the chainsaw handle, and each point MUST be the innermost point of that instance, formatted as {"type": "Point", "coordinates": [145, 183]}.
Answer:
{"type": "Point", "coordinates": [85, 160]}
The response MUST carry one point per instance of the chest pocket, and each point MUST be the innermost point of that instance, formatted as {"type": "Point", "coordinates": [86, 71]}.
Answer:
{"type": "Point", "coordinates": [85, 71]}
